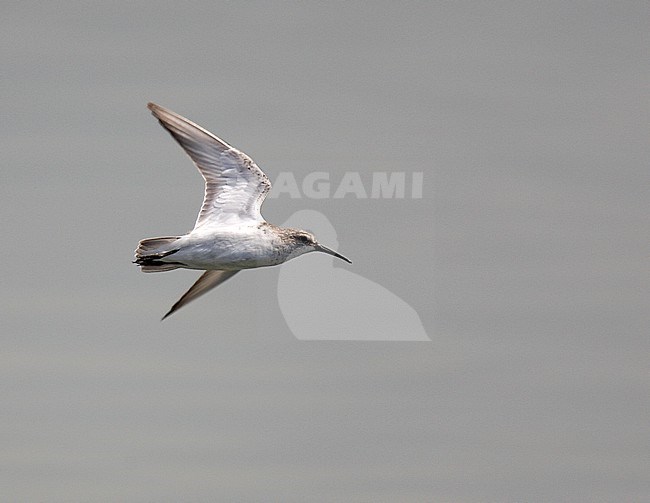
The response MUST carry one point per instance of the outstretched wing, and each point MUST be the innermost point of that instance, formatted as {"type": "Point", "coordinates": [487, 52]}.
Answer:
{"type": "Point", "coordinates": [207, 281]}
{"type": "Point", "coordinates": [235, 187]}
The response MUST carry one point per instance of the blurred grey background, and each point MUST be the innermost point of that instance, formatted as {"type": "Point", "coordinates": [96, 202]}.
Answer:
{"type": "Point", "coordinates": [527, 257]}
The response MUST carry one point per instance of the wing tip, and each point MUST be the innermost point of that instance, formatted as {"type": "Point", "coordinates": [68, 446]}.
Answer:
{"type": "Point", "coordinates": [156, 110]}
{"type": "Point", "coordinates": [173, 309]}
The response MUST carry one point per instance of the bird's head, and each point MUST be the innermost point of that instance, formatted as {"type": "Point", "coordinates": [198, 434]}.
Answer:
{"type": "Point", "coordinates": [305, 242]}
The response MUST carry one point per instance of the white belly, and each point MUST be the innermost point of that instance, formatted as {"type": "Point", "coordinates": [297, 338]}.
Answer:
{"type": "Point", "coordinates": [240, 250]}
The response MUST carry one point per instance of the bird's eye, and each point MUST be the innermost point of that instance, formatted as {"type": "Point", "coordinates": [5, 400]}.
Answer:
{"type": "Point", "coordinates": [303, 239]}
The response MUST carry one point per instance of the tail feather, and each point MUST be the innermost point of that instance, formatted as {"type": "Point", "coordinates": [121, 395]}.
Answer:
{"type": "Point", "coordinates": [155, 246]}
{"type": "Point", "coordinates": [150, 251]}
{"type": "Point", "coordinates": [157, 266]}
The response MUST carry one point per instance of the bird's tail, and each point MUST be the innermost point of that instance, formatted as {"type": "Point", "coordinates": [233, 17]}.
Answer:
{"type": "Point", "coordinates": [151, 251]}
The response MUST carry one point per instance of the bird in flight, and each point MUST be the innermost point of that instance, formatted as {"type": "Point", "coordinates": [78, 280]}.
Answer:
{"type": "Point", "coordinates": [230, 233]}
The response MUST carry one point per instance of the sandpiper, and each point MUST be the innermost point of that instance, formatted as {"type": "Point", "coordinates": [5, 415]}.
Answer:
{"type": "Point", "coordinates": [230, 233]}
